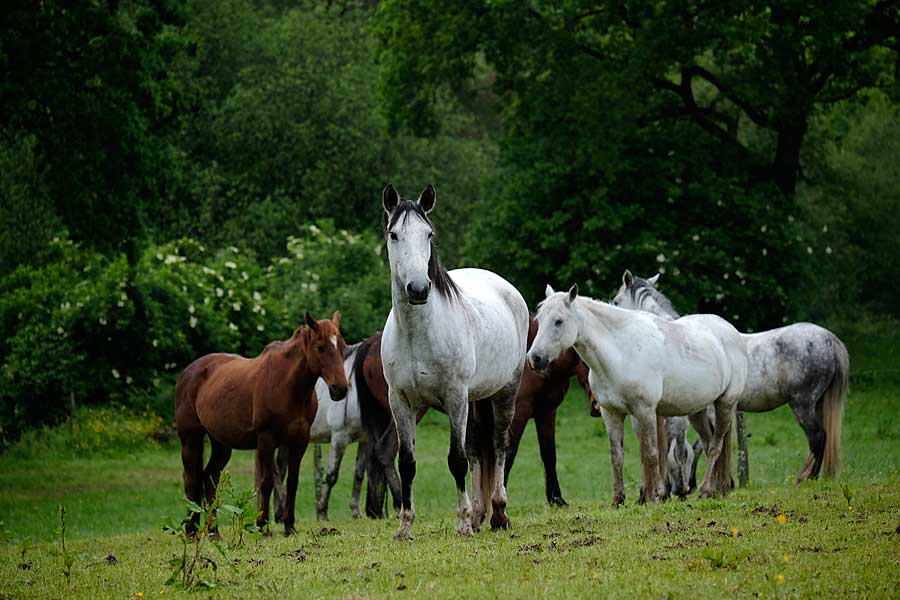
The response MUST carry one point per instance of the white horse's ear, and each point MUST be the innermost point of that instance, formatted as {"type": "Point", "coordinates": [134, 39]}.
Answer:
{"type": "Point", "coordinates": [653, 280]}
{"type": "Point", "coordinates": [390, 198]}
{"type": "Point", "coordinates": [627, 278]}
{"type": "Point", "coordinates": [548, 291]}
{"type": "Point", "coordinates": [573, 293]}
{"type": "Point", "coordinates": [427, 198]}
{"type": "Point", "coordinates": [311, 322]}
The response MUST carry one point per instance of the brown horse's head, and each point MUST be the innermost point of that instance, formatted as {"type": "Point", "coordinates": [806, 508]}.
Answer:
{"type": "Point", "coordinates": [325, 353]}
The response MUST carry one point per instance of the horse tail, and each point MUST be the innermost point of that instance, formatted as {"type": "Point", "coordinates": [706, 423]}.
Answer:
{"type": "Point", "coordinates": [374, 422]}
{"type": "Point", "coordinates": [833, 408]}
{"type": "Point", "coordinates": [484, 416]}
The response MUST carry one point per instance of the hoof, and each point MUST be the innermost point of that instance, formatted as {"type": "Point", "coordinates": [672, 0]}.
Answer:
{"type": "Point", "coordinates": [322, 516]}
{"type": "Point", "coordinates": [355, 514]}
{"type": "Point", "coordinates": [618, 500]}
{"type": "Point", "coordinates": [267, 533]}
{"type": "Point", "coordinates": [289, 532]}
{"type": "Point", "coordinates": [499, 521]}
{"type": "Point", "coordinates": [707, 493]}
{"type": "Point", "coordinates": [403, 536]}
{"type": "Point", "coordinates": [465, 528]}
{"type": "Point", "coordinates": [559, 502]}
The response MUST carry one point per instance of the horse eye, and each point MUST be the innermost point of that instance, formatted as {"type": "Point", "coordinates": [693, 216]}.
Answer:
{"type": "Point", "coordinates": [559, 322]}
{"type": "Point", "coordinates": [321, 347]}
{"type": "Point", "coordinates": [430, 235]}
{"type": "Point", "coordinates": [393, 236]}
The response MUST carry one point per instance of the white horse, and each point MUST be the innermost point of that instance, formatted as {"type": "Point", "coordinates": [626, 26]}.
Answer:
{"type": "Point", "coordinates": [643, 366]}
{"type": "Point", "coordinates": [336, 423]}
{"type": "Point", "coordinates": [450, 347]}
{"type": "Point", "coordinates": [803, 365]}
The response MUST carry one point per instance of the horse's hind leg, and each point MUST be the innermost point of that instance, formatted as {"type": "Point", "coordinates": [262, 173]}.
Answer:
{"type": "Point", "coordinates": [295, 455]}
{"type": "Point", "coordinates": [359, 472]}
{"type": "Point", "coordinates": [811, 422]}
{"type": "Point", "coordinates": [457, 461]}
{"type": "Point", "coordinates": [503, 405]}
{"type": "Point", "coordinates": [339, 441]}
{"type": "Point", "coordinates": [717, 478]}
{"type": "Point", "coordinates": [265, 458]}
{"type": "Point", "coordinates": [192, 461]}
{"type": "Point", "coordinates": [219, 456]}
{"type": "Point", "coordinates": [279, 471]}
{"type": "Point", "coordinates": [615, 428]}
{"type": "Point", "coordinates": [653, 489]}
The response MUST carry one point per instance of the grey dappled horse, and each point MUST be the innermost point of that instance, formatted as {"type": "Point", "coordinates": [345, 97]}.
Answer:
{"type": "Point", "coordinates": [803, 365]}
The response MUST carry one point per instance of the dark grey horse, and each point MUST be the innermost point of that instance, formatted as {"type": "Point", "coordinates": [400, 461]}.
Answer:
{"type": "Point", "coordinates": [803, 365]}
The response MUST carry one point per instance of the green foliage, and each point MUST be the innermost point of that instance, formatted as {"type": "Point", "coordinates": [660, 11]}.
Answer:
{"type": "Point", "coordinates": [330, 269]}
{"type": "Point", "coordinates": [193, 569]}
{"type": "Point", "coordinates": [68, 560]}
{"type": "Point", "coordinates": [92, 431]}
{"type": "Point", "coordinates": [718, 558]}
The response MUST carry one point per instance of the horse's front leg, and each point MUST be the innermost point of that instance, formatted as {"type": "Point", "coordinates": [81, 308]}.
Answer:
{"type": "Point", "coordinates": [339, 441]}
{"type": "Point", "coordinates": [265, 477]}
{"type": "Point", "coordinates": [295, 454]}
{"type": "Point", "coordinates": [545, 426]}
{"type": "Point", "coordinates": [359, 472]}
{"type": "Point", "coordinates": [615, 429]}
{"type": "Point", "coordinates": [405, 421]}
{"type": "Point", "coordinates": [653, 489]}
{"type": "Point", "coordinates": [457, 461]}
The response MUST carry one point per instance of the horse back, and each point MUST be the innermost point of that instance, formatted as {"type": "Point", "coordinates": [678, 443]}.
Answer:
{"type": "Point", "coordinates": [189, 384]}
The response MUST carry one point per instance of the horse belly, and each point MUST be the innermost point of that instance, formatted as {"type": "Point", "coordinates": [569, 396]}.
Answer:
{"type": "Point", "coordinates": [228, 418]}
{"type": "Point", "coordinates": [690, 391]}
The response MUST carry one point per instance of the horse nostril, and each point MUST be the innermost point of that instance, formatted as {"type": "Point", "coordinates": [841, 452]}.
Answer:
{"type": "Point", "coordinates": [337, 392]}
{"type": "Point", "coordinates": [409, 289]}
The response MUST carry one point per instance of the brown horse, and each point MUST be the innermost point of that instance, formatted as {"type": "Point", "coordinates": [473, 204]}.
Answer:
{"type": "Point", "coordinates": [538, 398]}
{"type": "Point", "coordinates": [261, 402]}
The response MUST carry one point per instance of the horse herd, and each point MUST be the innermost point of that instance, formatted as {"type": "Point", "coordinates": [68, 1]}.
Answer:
{"type": "Point", "coordinates": [463, 342]}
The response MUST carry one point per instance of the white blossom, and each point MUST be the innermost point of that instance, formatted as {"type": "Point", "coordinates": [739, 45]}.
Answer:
{"type": "Point", "coordinates": [824, 228]}
{"type": "Point", "coordinates": [219, 292]}
{"type": "Point", "coordinates": [236, 306]}
{"type": "Point", "coordinates": [159, 256]}
{"type": "Point", "coordinates": [233, 249]}
{"type": "Point", "coordinates": [191, 309]}
{"type": "Point", "coordinates": [244, 275]}
{"type": "Point", "coordinates": [60, 331]}
{"type": "Point", "coordinates": [259, 327]}
{"type": "Point", "coordinates": [230, 265]}
{"type": "Point", "coordinates": [170, 259]}
{"type": "Point", "coordinates": [115, 373]}
{"type": "Point", "coordinates": [696, 237]}
{"type": "Point", "coordinates": [809, 249]}
{"type": "Point", "coordinates": [102, 321]}
{"type": "Point", "coordinates": [209, 271]}
{"type": "Point", "coordinates": [660, 258]}
{"type": "Point", "coordinates": [155, 343]}
{"type": "Point", "coordinates": [192, 321]}
{"type": "Point", "coordinates": [129, 380]}
{"type": "Point", "coordinates": [765, 252]}
{"type": "Point", "coordinates": [827, 249]}
{"type": "Point", "coordinates": [232, 326]}
{"type": "Point", "coordinates": [257, 296]}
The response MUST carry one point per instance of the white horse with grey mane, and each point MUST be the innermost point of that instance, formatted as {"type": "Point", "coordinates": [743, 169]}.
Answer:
{"type": "Point", "coordinates": [803, 365]}
{"type": "Point", "coordinates": [646, 366]}
{"type": "Point", "coordinates": [454, 340]}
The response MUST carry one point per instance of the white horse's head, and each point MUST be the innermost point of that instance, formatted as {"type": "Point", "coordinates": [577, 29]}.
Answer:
{"type": "Point", "coordinates": [557, 328]}
{"type": "Point", "coordinates": [680, 456]}
{"type": "Point", "coordinates": [410, 236]}
{"type": "Point", "coordinates": [637, 293]}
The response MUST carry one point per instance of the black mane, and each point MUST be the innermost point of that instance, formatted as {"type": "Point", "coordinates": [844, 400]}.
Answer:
{"type": "Point", "coordinates": [440, 279]}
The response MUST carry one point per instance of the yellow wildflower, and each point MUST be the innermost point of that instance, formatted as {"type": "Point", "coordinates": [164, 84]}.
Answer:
{"type": "Point", "coordinates": [779, 579]}
{"type": "Point", "coordinates": [781, 518]}
{"type": "Point", "coordinates": [734, 532]}
{"type": "Point", "coordinates": [786, 558]}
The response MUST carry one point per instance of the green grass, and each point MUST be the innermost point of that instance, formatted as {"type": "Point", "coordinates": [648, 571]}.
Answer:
{"type": "Point", "coordinates": [676, 550]}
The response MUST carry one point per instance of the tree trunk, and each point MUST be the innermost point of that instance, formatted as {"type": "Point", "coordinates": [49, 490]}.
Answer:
{"type": "Point", "coordinates": [786, 164]}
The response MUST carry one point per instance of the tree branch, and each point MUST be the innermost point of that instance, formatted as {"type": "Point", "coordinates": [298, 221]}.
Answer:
{"type": "Point", "coordinates": [755, 114]}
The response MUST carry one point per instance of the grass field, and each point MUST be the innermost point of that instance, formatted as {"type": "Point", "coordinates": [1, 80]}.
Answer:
{"type": "Point", "coordinates": [829, 545]}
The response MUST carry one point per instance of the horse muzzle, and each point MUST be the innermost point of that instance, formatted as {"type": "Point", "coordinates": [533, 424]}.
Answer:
{"type": "Point", "coordinates": [337, 392]}
{"type": "Point", "coordinates": [416, 294]}
{"type": "Point", "coordinates": [538, 363]}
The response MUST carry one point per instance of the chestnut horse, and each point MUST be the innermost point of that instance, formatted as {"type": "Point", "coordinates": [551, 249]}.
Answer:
{"type": "Point", "coordinates": [261, 403]}
{"type": "Point", "coordinates": [538, 398]}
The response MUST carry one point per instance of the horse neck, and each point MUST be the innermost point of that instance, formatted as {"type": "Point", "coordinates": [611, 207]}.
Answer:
{"type": "Point", "coordinates": [299, 377]}
{"type": "Point", "coordinates": [597, 340]}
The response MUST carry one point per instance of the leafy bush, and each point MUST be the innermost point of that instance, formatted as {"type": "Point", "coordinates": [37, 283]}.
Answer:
{"type": "Point", "coordinates": [328, 269]}
{"type": "Point", "coordinates": [93, 326]}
